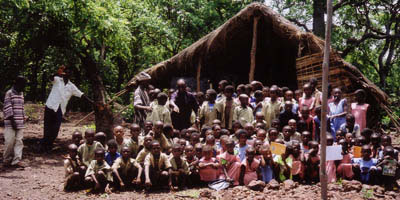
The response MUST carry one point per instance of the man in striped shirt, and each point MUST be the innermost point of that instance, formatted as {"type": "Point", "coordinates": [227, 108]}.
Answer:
{"type": "Point", "coordinates": [14, 123]}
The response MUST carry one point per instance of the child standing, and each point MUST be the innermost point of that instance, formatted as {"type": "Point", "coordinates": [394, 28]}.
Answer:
{"type": "Point", "coordinates": [360, 109]}
{"type": "Point", "coordinates": [390, 168]}
{"type": "Point", "coordinates": [249, 170]}
{"type": "Point", "coordinates": [208, 111]}
{"type": "Point", "coordinates": [337, 111]}
{"type": "Point", "coordinates": [86, 150]}
{"type": "Point", "coordinates": [226, 107]}
{"type": "Point", "coordinates": [243, 113]}
{"type": "Point", "coordinates": [272, 108]}
{"type": "Point", "coordinates": [160, 111]}
{"type": "Point", "coordinates": [344, 169]}
{"type": "Point", "coordinates": [307, 99]}
{"type": "Point", "coordinates": [193, 162]}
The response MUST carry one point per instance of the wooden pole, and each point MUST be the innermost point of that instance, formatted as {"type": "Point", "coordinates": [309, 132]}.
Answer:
{"type": "Point", "coordinates": [198, 76]}
{"type": "Point", "coordinates": [253, 50]}
{"type": "Point", "coordinates": [325, 74]}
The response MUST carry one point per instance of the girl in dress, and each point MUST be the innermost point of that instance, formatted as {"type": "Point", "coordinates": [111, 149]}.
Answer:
{"type": "Point", "coordinates": [359, 109]}
{"type": "Point", "coordinates": [249, 169]}
{"type": "Point", "coordinates": [337, 111]}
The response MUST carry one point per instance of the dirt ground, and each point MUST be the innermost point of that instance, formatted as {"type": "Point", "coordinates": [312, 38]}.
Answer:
{"type": "Point", "coordinates": [43, 178]}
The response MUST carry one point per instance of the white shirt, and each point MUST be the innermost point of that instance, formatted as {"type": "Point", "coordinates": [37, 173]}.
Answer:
{"type": "Point", "coordinates": [61, 93]}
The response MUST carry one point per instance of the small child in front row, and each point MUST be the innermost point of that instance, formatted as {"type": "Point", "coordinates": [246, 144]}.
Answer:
{"type": "Point", "coordinates": [193, 161]}
{"type": "Point", "coordinates": [249, 169]}
{"type": "Point", "coordinates": [390, 169]}
{"type": "Point", "coordinates": [209, 167]}
{"type": "Point", "coordinates": [312, 163]}
{"type": "Point", "coordinates": [126, 170]}
{"type": "Point", "coordinates": [74, 172]}
{"type": "Point", "coordinates": [156, 167]}
{"type": "Point", "coordinates": [98, 174]}
{"type": "Point", "coordinates": [344, 169]}
{"type": "Point", "coordinates": [179, 170]}
{"type": "Point", "coordinates": [112, 154]}
{"type": "Point", "coordinates": [242, 146]}
{"type": "Point", "coordinates": [266, 164]}
{"type": "Point", "coordinates": [365, 167]}
{"type": "Point", "coordinates": [230, 163]}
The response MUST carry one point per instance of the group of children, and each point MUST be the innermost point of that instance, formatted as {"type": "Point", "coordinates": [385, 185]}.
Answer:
{"type": "Point", "coordinates": [232, 139]}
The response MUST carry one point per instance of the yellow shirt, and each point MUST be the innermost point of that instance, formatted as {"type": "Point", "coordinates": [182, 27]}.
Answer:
{"type": "Point", "coordinates": [184, 165]}
{"type": "Point", "coordinates": [163, 161]}
{"type": "Point", "coordinates": [86, 152]}
{"type": "Point", "coordinates": [244, 115]}
{"type": "Point", "coordinates": [125, 167]}
{"type": "Point", "coordinates": [94, 168]}
{"type": "Point", "coordinates": [142, 155]}
{"type": "Point", "coordinates": [271, 111]}
{"type": "Point", "coordinates": [221, 105]}
{"type": "Point", "coordinates": [208, 113]}
{"type": "Point", "coordinates": [160, 113]}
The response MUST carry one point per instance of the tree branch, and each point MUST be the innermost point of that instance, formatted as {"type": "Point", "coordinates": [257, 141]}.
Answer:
{"type": "Point", "coordinates": [298, 23]}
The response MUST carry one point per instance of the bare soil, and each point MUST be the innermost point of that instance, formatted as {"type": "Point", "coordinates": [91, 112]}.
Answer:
{"type": "Point", "coordinates": [43, 177]}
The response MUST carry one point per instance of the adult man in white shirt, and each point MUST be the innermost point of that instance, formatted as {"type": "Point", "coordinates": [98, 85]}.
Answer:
{"type": "Point", "coordinates": [56, 105]}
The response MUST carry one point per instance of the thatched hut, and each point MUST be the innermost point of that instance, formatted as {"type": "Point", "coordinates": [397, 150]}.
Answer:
{"type": "Point", "coordinates": [280, 52]}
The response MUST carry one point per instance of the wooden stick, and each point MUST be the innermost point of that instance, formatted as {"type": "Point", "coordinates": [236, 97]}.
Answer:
{"type": "Point", "coordinates": [198, 76]}
{"type": "Point", "coordinates": [325, 77]}
{"type": "Point", "coordinates": [118, 94]}
{"type": "Point", "coordinates": [253, 50]}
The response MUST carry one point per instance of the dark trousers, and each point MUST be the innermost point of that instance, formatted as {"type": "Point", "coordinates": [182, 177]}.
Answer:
{"type": "Point", "coordinates": [52, 123]}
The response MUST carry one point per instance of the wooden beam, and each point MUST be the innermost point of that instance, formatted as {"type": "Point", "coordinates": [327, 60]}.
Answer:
{"type": "Point", "coordinates": [198, 76]}
{"type": "Point", "coordinates": [325, 75]}
{"type": "Point", "coordinates": [253, 49]}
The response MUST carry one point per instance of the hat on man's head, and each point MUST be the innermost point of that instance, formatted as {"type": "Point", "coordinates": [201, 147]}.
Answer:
{"type": "Point", "coordinates": [60, 70]}
{"type": "Point", "coordinates": [143, 76]}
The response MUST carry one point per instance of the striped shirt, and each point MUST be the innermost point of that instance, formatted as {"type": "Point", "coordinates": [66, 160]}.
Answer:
{"type": "Point", "coordinates": [14, 108]}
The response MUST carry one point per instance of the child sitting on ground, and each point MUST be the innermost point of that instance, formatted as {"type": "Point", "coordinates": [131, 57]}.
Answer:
{"type": "Point", "coordinates": [160, 112]}
{"type": "Point", "coordinates": [145, 151]}
{"type": "Point", "coordinates": [98, 174]}
{"type": "Point", "coordinates": [156, 167]}
{"type": "Point", "coordinates": [344, 169]}
{"type": "Point", "coordinates": [390, 169]}
{"type": "Point", "coordinates": [86, 150]}
{"type": "Point", "coordinates": [133, 143]}
{"type": "Point", "coordinates": [179, 171]}
{"type": "Point", "coordinates": [284, 164]}
{"type": "Point", "coordinates": [266, 164]}
{"type": "Point", "coordinates": [74, 172]}
{"type": "Point", "coordinates": [249, 169]}
{"type": "Point", "coordinates": [209, 167]}
{"type": "Point", "coordinates": [242, 146]}
{"type": "Point", "coordinates": [230, 163]}
{"type": "Point", "coordinates": [330, 164]}
{"type": "Point", "coordinates": [127, 172]}
{"type": "Point", "coordinates": [312, 163]}
{"type": "Point", "coordinates": [112, 154]}
{"type": "Point", "coordinates": [364, 168]}
{"type": "Point", "coordinates": [193, 161]}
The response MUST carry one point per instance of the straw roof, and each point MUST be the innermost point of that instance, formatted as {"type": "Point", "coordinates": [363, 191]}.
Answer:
{"type": "Point", "coordinates": [227, 49]}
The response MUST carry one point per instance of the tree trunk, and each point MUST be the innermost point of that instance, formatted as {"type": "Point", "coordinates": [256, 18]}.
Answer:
{"type": "Point", "coordinates": [318, 18]}
{"type": "Point", "coordinates": [103, 114]}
